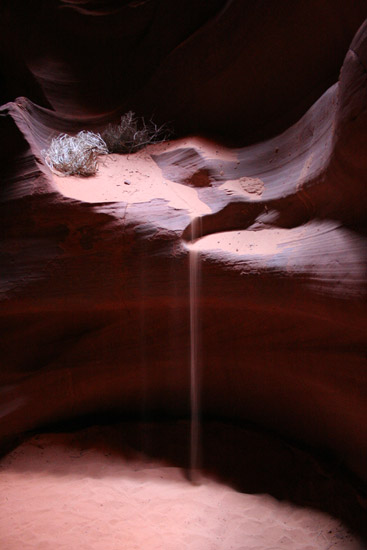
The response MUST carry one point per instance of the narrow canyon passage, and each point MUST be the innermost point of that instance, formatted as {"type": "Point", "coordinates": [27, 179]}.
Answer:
{"type": "Point", "coordinates": [183, 317]}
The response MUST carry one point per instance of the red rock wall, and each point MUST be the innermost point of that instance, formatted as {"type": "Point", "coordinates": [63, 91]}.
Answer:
{"type": "Point", "coordinates": [241, 70]}
{"type": "Point", "coordinates": [95, 297]}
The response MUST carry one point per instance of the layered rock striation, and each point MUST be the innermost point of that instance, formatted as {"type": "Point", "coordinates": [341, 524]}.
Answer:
{"type": "Point", "coordinates": [95, 278]}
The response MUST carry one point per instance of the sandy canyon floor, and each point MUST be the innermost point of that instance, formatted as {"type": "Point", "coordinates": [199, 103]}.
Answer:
{"type": "Point", "coordinates": [76, 491]}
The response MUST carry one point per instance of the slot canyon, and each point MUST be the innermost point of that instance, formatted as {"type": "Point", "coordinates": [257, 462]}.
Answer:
{"type": "Point", "coordinates": [183, 333]}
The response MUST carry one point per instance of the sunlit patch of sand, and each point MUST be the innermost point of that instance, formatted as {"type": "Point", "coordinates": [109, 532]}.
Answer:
{"type": "Point", "coordinates": [250, 188]}
{"type": "Point", "coordinates": [134, 178]}
{"type": "Point", "coordinates": [250, 243]}
{"type": "Point", "coordinates": [59, 496]}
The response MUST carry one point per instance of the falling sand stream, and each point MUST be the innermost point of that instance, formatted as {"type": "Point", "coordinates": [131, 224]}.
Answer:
{"type": "Point", "coordinates": [194, 289]}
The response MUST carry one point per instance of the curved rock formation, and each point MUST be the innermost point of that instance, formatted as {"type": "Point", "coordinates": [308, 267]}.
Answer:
{"type": "Point", "coordinates": [240, 70]}
{"type": "Point", "coordinates": [95, 310]}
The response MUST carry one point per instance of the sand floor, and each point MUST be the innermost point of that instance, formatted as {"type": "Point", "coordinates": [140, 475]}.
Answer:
{"type": "Point", "coordinates": [60, 491]}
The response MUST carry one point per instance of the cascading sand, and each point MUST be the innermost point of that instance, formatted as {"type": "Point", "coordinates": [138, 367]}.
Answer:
{"type": "Point", "coordinates": [194, 282]}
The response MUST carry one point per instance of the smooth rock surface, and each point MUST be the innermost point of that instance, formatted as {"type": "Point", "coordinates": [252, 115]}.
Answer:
{"type": "Point", "coordinates": [95, 286]}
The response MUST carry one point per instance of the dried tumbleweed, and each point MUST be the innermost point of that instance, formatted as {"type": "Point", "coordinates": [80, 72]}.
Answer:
{"type": "Point", "coordinates": [133, 134]}
{"type": "Point", "coordinates": [70, 155]}
{"type": "Point", "coordinates": [77, 155]}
